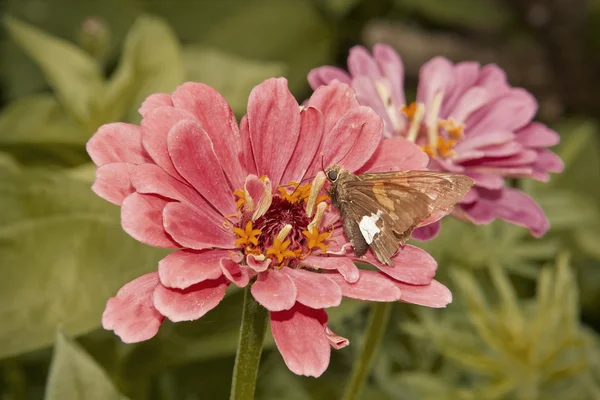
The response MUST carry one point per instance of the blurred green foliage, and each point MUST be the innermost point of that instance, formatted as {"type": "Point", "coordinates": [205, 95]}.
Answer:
{"type": "Point", "coordinates": [525, 320]}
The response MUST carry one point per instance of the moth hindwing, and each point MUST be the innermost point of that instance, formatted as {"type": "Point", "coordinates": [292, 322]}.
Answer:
{"type": "Point", "coordinates": [380, 210]}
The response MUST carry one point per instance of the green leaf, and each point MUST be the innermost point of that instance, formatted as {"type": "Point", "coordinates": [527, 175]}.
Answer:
{"type": "Point", "coordinates": [481, 15]}
{"type": "Point", "coordinates": [74, 75]}
{"type": "Point", "coordinates": [233, 76]}
{"type": "Point", "coordinates": [62, 255]}
{"type": "Point", "coordinates": [151, 62]}
{"type": "Point", "coordinates": [75, 375]}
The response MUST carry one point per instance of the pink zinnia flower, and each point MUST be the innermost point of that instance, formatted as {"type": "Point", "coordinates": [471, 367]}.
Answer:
{"type": "Point", "coordinates": [189, 179]}
{"type": "Point", "coordinates": [469, 120]}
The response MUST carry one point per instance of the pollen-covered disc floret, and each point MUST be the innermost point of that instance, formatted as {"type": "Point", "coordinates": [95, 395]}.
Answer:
{"type": "Point", "coordinates": [285, 233]}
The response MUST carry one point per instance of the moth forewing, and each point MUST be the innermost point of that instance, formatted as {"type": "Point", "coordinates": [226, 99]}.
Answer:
{"type": "Point", "coordinates": [380, 210]}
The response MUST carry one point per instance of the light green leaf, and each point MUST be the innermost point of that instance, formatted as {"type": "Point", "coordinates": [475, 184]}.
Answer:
{"type": "Point", "coordinates": [75, 375]}
{"type": "Point", "coordinates": [62, 255]}
{"type": "Point", "coordinates": [74, 75]}
{"type": "Point", "coordinates": [233, 76]}
{"type": "Point", "coordinates": [151, 62]}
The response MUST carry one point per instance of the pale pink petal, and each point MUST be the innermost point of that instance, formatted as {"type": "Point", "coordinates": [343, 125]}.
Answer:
{"type": "Point", "coordinates": [217, 119]}
{"type": "Point", "coordinates": [493, 78]}
{"type": "Point", "coordinates": [537, 135]}
{"type": "Point", "coordinates": [131, 313]}
{"type": "Point", "coordinates": [434, 77]}
{"type": "Point", "coordinates": [486, 181]}
{"type": "Point", "coordinates": [156, 125]}
{"type": "Point", "coordinates": [471, 196]}
{"type": "Point", "coordinates": [511, 111]}
{"type": "Point", "coordinates": [311, 133]}
{"type": "Point", "coordinates": [373, 97]}
{"type": "Point", "coordinates": [234, 273]}
{"type": "Point", "coordinates": [315, 290]}
{"type": "Point", "coordinates": [117, 142]}
{"type": "Point", "coordinates": [197, 228]}
{"type": "Point", "coordinates": [274, 290]}
{"type": "Point", "coordinates": [141, 217]}
{"type": "Point", "coordinates": [427, 232]}
{"type": "Point", "coordinates": [392, 68]}
{"type": "Point", "coordinates": [191, 303]}
{"type": "Point", "coordinates": [469, 102]}
{"type": "Point", "coordinates": [152, 179]}
{"type": "Point", "coordinates": [433, 295]}
{"type": "Point", "coordinates": [520, 209]}
{"type": "Point", "coordinates": [412, 265]}
{"type": "Point", "coordinates": [112, 182]}
{"type": "Point", "coordinates": [371, 286]}
{"type": "Point", "coordinates": [336, 341]}
{"type": "Point", "coordinates": [480, 212]}
{"type": "Point", "coordinates": [184, 268]}
{"type": "Point", "coordinates": [192, 153]}
{"type": "Point", "coordinates": [274, 122]}
{"type": "Point", "coordinates": [301, 340]}
{"type": "Point", "coordinates": [354, 139]}
{"type": "Point", "coordinates": [247, 155]}
{"type": "Point", "coordinates": [258, 196]}
{"type": "Point", "coordinates": [464, 76]}
{"type": "Point", "coordinates": [548, 161]}
{"type": "Point", "coordinates": [333, 100]}
{"type": "Point", "coordinates": [361, 63]}
{"type": "Point", "coordinates": [325, 75]}
{"type": "Point", "coordinates": [396, 154]}
{"type": "Point", "coordinates": [525, 157]}
{"type": "Point", "coordinates": [257, 264]}
{"type": "Point", "coordinates": [502, 150]}
{"type": "Point", "coordinates": [153, 101]}
{"type": "Point", "coordinates": [344, 265]}
{"type": "Point", "coordinates": [489, 139]}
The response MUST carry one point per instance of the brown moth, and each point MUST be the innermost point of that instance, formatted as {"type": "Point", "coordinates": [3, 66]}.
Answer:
{"type": "Point", "coordinates": [380, 210]}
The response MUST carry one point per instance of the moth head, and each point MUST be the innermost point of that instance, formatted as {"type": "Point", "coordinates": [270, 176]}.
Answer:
{"type": "Point", "coordinates": [333, 173]}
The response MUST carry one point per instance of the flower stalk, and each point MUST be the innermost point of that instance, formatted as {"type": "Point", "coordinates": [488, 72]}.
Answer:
{"type": "Point", "coordinates": [378, 321]}
{"type": "Point", "coordinates": [250, 343]}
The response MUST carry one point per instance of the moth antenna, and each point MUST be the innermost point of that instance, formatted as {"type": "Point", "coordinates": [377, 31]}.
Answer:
{"type": "Point", "coordinates": [350, 149]}
{"type": "Point", "coordinates": [322, 165]}
{"type": "Point", "coordinates": [299, 183]}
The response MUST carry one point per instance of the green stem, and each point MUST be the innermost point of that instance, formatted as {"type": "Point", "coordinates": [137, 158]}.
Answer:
{"type": "Point", "coordinates": [252, 335]}
{"type": "Point", "coordinates": [378, 320]}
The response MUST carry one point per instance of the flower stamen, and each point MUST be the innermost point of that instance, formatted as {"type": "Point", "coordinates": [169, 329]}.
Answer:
{"type": "Point", "coordinates": [247, 236]}
{"type": "Point", "coordinates": [316, 239]}
{"type": "Point", "coordinates": [315, 189]}
{"type": "Point", "coordinates": [279, 250]}
{"type": "Point", "coordinates": [416, 112]}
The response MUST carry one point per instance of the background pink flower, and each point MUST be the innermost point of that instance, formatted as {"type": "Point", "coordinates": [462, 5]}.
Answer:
{"type": "Point", "coordinates": [230, 200]}
{"type": "Point", "coordinates": [469, 120]}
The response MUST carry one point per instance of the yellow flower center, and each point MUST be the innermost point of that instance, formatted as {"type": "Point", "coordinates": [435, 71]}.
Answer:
{"type": "Point", "coordinates": [247, 236]}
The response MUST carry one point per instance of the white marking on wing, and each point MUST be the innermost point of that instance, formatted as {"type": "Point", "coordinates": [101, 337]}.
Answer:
{"type": "Point", "coordinates": [368, 226]}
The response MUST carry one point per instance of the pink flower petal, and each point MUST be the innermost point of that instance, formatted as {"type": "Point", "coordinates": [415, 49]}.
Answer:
{"type": "Point", "coordinates": [191, 303]}
{"type": "Point", "coordinates": [434, 77]}
{"type": "Point", "coordinates": [361, 63]}
{"type": "Point", "coordinates": [489, 139]}
{"type": "Point", "coordinates": [325, 75]}
{"type": "Point", "coordinates": [152, 179]}
{"type": "Point", "coordinates": [469, 102]}
{"type": "Point", "coordinates": [112, 182]}
{"type": "Point", "coordinates": [156, 125]}
{"type": "Point", "coordinates": [464, 76]}
{"type": "Point", "coordinates": [344, 265]}
{"type": "Point", "coordinates": [502, 150]}
{"type": "Point", "coordinates": [392, 68]}
{"type": "Point", "coordinates": [427, 232]}
{"type": "Point", "coordinates": [247, 155]}
{"type": "Point", "coordinates": [493, 78]}
{"type": "Point", "coordinates": [311, 132]}
{"type": "Point", "coordinates": [131, 313]}
{"type": "Point", "coordinates": [511, 111]}
{"type": "Point", "coordinates": [154, 101]}
{"type": "Point", "coordinates": [548, 161]}
{"type": "Point", "coordinates": [301, 340]}
{"type": "Point", "coordinates": [117, 142]}
{"type": "Point", "coordinates": [314, 290]}
{"type": "Point", "coordinates": [433, 295]}
{"type": "Point", "coordinates": [397, 154]}
{"type": "Point", "coordinates": [354, 139]}
{"type": "Point", "coordinates": [259, 196]}
{"type": "Point", "coordinates": [197, 228]}
{"type": "Point", "coordinates": [412, 265]}
{"type": "Point", "coordinates": [333, 100]}
{"type": "Point", "coordinates": [234, 273]}
{"type": "Point", "coordinates": [486, 181]}
{"type": "Point", "coordinates": [523, 158]}
{"type": "Point", "coordinates": [370, 95]}
{"type": "Point", "coordinates": [274, 290]}
{"type": "Point", "coordinates": [141, 217]}
{"type": "Point", "coordinates": [192, 153]}
{"type": "Point", "coordinates": [256, 264]}
{"type": "Point", "coordinates": [371, 286]}
{"type": "Point", "coordinates": [336, 341]}
{"type": "Point", "coordinates": [217, 120]}
{"type": "Point", "coordinates": [537, 135]}
{"type": "Point", "coordinates": [184, 268]}
{"type": "Point", "coordinates": [274, 122]}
